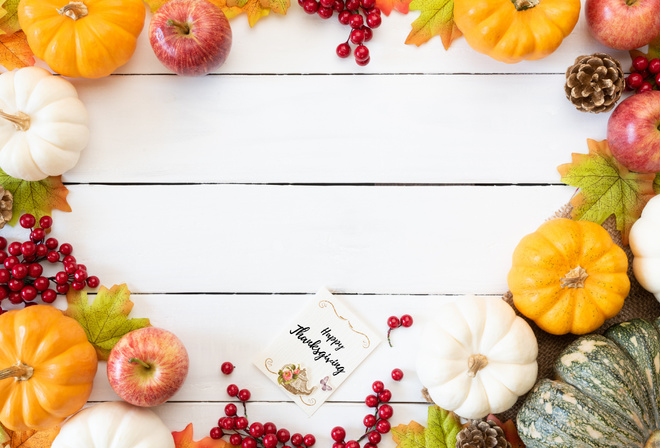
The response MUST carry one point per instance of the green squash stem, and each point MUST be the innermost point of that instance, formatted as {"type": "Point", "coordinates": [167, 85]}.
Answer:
{"type": "Point", "coordinates": [22, 372]}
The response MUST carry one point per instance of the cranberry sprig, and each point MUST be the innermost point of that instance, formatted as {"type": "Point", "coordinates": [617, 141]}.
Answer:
{"type": "Point", "coordinates": [251, 435]}
{"type": "Point", "coordinates": [394, 322]}
{"type": "Point", "coordinates": [22, 279]}
{"type": "Point", "coordinates": [645, 75]}
{"type": "Point", "coordinates": [362, 16]}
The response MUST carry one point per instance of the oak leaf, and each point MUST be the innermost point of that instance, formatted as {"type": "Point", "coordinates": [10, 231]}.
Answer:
{"type": "Point", "coordinates": [443, 427]}
{"type": "Point", "coordinates": [29, 439]}
{"type": "Point", "coordinates": [105, 320]}
{"type": "Point", "coordinates": [184, 439]}
{"type": "Point", "coordinates": [15, 51]}
{"type": "Point", "coordinates": [38, 198]}
{"type": "Point", "coordinates": [386, 6]}
{"type": "Point", "coordinates": [436, 19]}
{"type": "Point", "coordinates": [9, 17]}
{"type": "Point", "coordinates": [606, 188]}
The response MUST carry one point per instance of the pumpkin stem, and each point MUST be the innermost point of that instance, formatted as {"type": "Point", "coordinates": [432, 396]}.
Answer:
{"type": "Point", "coordinates": [522, 5]}
{"type": "Point", "coordinates": [74, 10]}
{"type": "Point", "coordinates": [139, 361]}
{"type": "Point", "coordinates": [654, 440]}
{"type": "Point", "coordinates": [574, 278]}
{"type": "Point", "coordinates": [183, 27]}
{"type": "Point", "coordinates": [475, 364]}
{"type": "Point", "coordinates": [22, 372]}
{"type": "Point", "coordinates": [20, 119]}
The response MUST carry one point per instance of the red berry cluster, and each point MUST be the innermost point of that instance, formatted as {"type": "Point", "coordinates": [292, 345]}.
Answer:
{"type": "Point", "coordinates": [376, 424]}
{"type": "Point", "coordinates": [361, 15]}
{"type": "Point", "coordinates": [22, 279]}
{"type": "Point", "coordinates": [251, 435]}
{"type": "Point", "coordinates": [645, 75]}
{"type": "Point", "coordinates": [394, 322]}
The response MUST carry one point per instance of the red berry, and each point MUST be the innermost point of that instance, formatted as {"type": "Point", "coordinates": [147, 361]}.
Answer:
{"type": "Point", "coordinates": [363, 63]}
{"type": "Point", "coordinates": [35, 270]}
{"type": "Point", "coordinates": [52, 243]}
{"type": "Point", "coordinates": [61, 278]}
{"type": "Point", "coordinates": [383, 426]}
{"type": "Point", "coordinates": [70, 268]}
{"type": "Point", "coordinates": [634, 80]}
{"type": "Point", "coordinates": [352, 5]}
{"type": "Point", "coordinates": [297, 439]}
{"type": "Point", "coordinates": [10, 262]}
{"type": "Point", "coordinates": [227, 368]}
{"type": "Point", "coordinates": [369, 420]}
{"type": "Point", "coordinates": [397, 374]}
{"type": "Point", "coordinates": [53, 256]}
{"type": "Point", "coordinates": [216, 433]}
{"type": "Point", "coordinates": [241, 423]}
{"type": "Point", "coordinates": [244, 395]}
{"type": "Point", "coordinates": [325, 13]}
{"type": "Point", "coordinates": [338, 434]}
{"type": "Point", "coordinates": [338, 5]}
{"type": "Point", "coordinates": [14, 249]}
{"type": "Point", "coordinates": [370, 445]}
{"type": "Point", "coordinates": [270, 428]}
{"type": "Point", "coordinates": [42, 250]}
{"type": "Point", "coordinates": [309, 440]}
{"type": "Point", "coordinates": [232, 390]}
{"type": "Point", "coordinates": [406, 320]}
{"type": "Point", "coordinates": [3, 256]}
{"type": "Point", "coordinates": [46, 222]}
{"type": "Point", "coordinates": [356, 21]}
{"type": "Point", "coordinates": [385, 412]}
{"type": "Point", "coordinates": [378, 386]}
{"type": "Point", "coordinates": [15, 285]}
{"type": "Point", "coordinates": [371, 401]}
{"type": "Point", "coordinates": [69, 259]}
{"type": "Point", "coordinates": [374, 437]}
{"type": "Point", "coordinates": [5, 276]}
{"type": "Point", "coordinates": [37, 235]}
{"type": "Point", "coordinates": [249, 442]}
{"type": "Point", "coordinates": [654, 66]}
{"type": "Point", "coordinates": [327, 3]}
{"type": "Point", "coordinates": [226, 423]}
{"type": "Point", "coordinates": [29, 293]}
{"type": "Point", "coordinates": [256, 429]}
{"type": "Point", "coordinates": [338, 445]}
{"type": "Point", "coordinates": [343, 50]}
{"type": "Point", "coordinates": [48, 296]}
{"type": "Point", "coordinates": [385, 396]}
{"type": "Point", "coordinates": [352, 444]}
{"type": "Point", "coordinates": [357, 36]}
{"type": "Point", "coordinates": [640, 63]}
{"type": "Point", "coordinates": [66, 249]}
{"type": "Point", "coordinates": [19, 271]}
{"type": "Point", "coordinates": [393, 322]}
{"type": "Point", "coordinates": [235, 439]}
{"type": "Point", "coordinates": [27, 221]}
{"type": "Point", "coordinates": [368, 4]}
{"type": "Point", "coordinates": [3, 243]}
{"type": "Point", "coordinates": [283, 435]}
{"type": "Point", "coordinates": [374, 20]}
{"type": "Point", "coordinates": [80, 275]}
{"type": "Point", "coordinates": [310, 6]}
{"type": "Point", "coordinates": [361, 52]}
{"type": "Point", "coordinates": [368, 34]}
{"type": "Point", "coordinates": [645, 87]}
{"type": "Point", "coordinates": [269, 441]}
{"type": "Point", "coordinates": [78, 286]}
{"type": "Point", "coordinates": [62, 289]}
{"type": "Point", "coordinates": [93, 281]}
{"type": "Point", "coordinates": [15, 298]}
{"type": "Point", "coordinates": [4, 292]}
{"type": "Point", "coordinates": [344, 17]}
{"type": "Point", "coordinates": [230, 410]}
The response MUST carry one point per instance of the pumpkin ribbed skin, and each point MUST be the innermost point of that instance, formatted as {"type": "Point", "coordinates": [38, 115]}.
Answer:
{"type": "Point", "coordinates": [498, 29]}
{"type": "Point", "coordinates": [606, 396]}
{"type": "Point", "coordinates": [542, 262]}
{"type": "Point", "coordinates": [64, 364]}
{"type": "Point", "coordinates": [91, 46]}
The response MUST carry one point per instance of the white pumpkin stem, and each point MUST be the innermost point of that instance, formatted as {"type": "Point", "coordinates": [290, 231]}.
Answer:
{"type": "Point", "coordinates": [475, 364]}
{"type": "Point", "coordinates": [522, 5]}
{"type": "Point", "coordinates": [20, 119]}
{"type": "Point", "coordinates": [20, 371]}
{"type": "Point", "coordinates": [74, 10]}
{"type": "Point", "coordinates": [574, 278]}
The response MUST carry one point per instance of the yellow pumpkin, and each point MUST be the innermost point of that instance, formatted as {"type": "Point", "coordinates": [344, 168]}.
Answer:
{"type": "Point", "coordinates": [515, 30]}
{"type": "Point", "coordinates": [48, 368]}
{"type": "Point", "coordinates": [569, 276]}
{"type": "Point", "coordinates": [89, 38]}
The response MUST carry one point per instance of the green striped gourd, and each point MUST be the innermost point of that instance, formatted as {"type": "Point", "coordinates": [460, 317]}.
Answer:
{"type": "Point", "coordinates": [607, 393]}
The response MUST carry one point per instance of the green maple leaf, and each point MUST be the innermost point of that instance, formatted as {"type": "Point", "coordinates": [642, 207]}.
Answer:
{"type": "Point", "coordinates": [412, 435]}
{"type": "Point", "coordinates": [9, 21]}
{"type": "Point", "coordinates": [606, 188]}
{"type": "Point", "coordinates": [443, 427]}
{"type": "Point", "coordinates": [436, 19]}
{"type": "Point", "coordinates": [38, 198]}
{"type": "Point", "coordinates": [105, 320]}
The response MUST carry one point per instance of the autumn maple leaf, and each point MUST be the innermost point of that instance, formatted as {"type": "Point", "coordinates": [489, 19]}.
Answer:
{"type": "Point", "coordinates": [255, 9]}
{"type": "Point", "coordinates": [15, 51]}
{"type": "Point", "coordinates": [105, 320]}
{"type": "Point", "coordinates": [9, 16]}
{"type": "Point", "coordinates": [606, 188]}
{"type": "Point", "coordinates": [28, 439]}
{"type": "Point", "coordinates": [443, 427]}
{"type": "Point", "coordinates": [38, 198]}
{"type": "Point", "coordinates": [436, 19]}
{"type": "Point", "coordinates": [184, 439]}
{"type": "Point", "coordinates": [386, 6]}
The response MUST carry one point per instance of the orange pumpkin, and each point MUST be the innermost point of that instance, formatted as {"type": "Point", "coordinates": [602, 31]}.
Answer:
{"type": "Point", "coordinates": [515, 30]}
{"type": "Point", "coordinates": [50, 368]}
{"type": "Point", "coordinates": [89, 38]}
{"type": "Point", "coordinates": [569, 276]}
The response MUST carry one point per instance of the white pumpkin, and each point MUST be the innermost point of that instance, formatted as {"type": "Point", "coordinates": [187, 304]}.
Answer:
{"type": "Point", "coordinates": [43, 124]}
{"type": "Point", "coordinates": [476, 357]}
{"type": "Point", "coordinates": [114, 425]}
{"type": "Point", "coordinates": [644, 240]}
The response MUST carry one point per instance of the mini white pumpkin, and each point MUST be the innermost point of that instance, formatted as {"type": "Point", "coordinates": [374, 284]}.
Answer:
{"type": "Point", "coordinates": [476, 357]}
{"type": "Point", "coordinates": [43, 124]}
{"type": "Point", "coordinates": [644, 240]}
{"type": "Point", "coordinates": [114, 424]}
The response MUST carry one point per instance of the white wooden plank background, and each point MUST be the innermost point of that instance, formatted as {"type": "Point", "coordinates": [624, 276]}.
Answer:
{"type": "Point", "coordinates": [225, 202]}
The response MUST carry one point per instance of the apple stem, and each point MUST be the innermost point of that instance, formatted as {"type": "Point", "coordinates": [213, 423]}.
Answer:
{"type": "Point", "coordinates": [522, 5]}
{"type": "Point", "coordinates": [20, 371]}
{"type": "Point", "coordinates": [139, 361]}
{"type": "Point", "coordinates": [74, 10]}
{"type": "Point", "coordinates": [20, 120]}
{"type": "Point", "coordinates": [184, 28]}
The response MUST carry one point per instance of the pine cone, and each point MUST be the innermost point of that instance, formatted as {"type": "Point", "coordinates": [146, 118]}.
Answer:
{"type": "Point", "coordinates": [6, 206]}
{"type": "Point", "coordinates": [482, 434]}
{"type": "Point", "coordinates": [594, 83]}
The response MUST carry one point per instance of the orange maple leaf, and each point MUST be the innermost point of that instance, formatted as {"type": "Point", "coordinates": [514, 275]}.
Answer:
{"type": "Point", "coordinates": [15, 51]}
{"type": "Point", "coordinates": [184, 439]}
{"type": "Point", "coordinates": [30, 439]}
{"type": "Point", "coordinates": [436, 19]}
{"type": "Point", "coordinates": [386, 6]}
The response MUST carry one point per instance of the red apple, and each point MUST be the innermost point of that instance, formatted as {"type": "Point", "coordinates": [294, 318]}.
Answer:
{"type": "Point", "coordinates": [190, 37]}
{"type": "Point", "coordinates": [623, 24]}
{"type": "Point", "coordinates": [147, 366]}
{"type": "Point", "coordinates": [633, 132]}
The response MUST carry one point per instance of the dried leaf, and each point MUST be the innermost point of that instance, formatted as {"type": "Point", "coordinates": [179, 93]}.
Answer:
{"type": "Point", "coordinates": [386, 6]}
{"type": "Point", "coordinates": [184, 439]}
{"type": "Point", "coordinates": [412, 435]}
{"type": "Point", "coordinates": [606, 188]}
{"type": "Point", "coordinates": [255, 9]}
{"type": "Point", "coordinates": [436, 19]}
{"type": "Point", "coordinates": [106, 320]}
{"type": "Point", "coordinates": [443, 427]}
{"type": "Point", "coordinates": [38, 198]}
{"type": "Point", "coordinates": [15, 51]}
{"type": "Point", "coordinates": [510, 431]}
{"type": "Point", "coordinates": [30, 439]}
{"type": "Point", "coordinates": [9, 20]}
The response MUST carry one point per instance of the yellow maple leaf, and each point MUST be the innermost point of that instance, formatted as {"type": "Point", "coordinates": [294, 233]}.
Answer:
{"type": "Point", "coordinates": [9, 16]}
{"type": "Point", "coordinates": [255, 9]}
{"type": "Point", "coordinates": [436, 19]}
{"type": "Point", "coordinates": [15, 51]}
{"type": "Point", "coordinates": [30, 439]}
